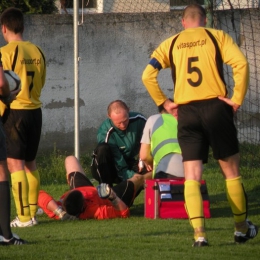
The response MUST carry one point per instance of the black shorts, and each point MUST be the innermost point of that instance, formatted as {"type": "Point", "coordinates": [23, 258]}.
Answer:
{"type": "Point", "coordinates": [207, 123]}
{"type": "Point", "coordinates": [165, 175]}
{"type": "Point", "coordinates": [23, 133]}
{"type": "Point", "coordinates": [124, 190]}
{"type": "Point", "coordinates": [78, 179]}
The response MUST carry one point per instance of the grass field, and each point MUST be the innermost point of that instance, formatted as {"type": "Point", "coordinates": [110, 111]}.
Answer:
{"type": "Point", "coordinates": [136, 237]}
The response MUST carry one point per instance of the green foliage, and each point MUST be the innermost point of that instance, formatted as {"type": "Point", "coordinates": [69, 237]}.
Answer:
{"type": "Point", "coordinates": [30, 6]}
{"type": "Point", "coordinates": [249, 154]}
{"type": "Point", "coordinates": [51, 166]}
{"type": "Point", "coordinates": [52, 171]}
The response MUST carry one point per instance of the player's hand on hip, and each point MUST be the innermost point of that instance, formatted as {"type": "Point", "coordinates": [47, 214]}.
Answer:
{"type": "Point", "coordinates": [230, 103]}
{"type": "Point", "coordinates": [171, 107]}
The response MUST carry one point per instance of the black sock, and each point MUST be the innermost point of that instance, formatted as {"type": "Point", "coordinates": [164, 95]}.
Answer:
{"type": "Point", "coordinates": [5, 201]}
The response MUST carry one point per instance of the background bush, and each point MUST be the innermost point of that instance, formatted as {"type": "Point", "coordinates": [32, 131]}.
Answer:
{"type": "Point", "coordinates": [30, 6]}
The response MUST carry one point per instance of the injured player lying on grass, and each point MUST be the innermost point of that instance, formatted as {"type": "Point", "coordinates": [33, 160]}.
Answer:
{"type": "Point", "coordinates": [84, 201]}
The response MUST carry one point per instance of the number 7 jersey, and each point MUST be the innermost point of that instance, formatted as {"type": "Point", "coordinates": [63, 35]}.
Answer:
{"type": "Point", "coordinates": [28, 61]}
{"type": "Point", "coordinates": [196, 57]}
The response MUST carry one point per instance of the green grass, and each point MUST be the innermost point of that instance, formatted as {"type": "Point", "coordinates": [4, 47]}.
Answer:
{"type": "Point", "coordinates": [136, 237]}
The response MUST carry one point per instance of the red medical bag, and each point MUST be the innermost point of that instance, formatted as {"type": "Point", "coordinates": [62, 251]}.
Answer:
{"type": "Point", "coordinates": [164, 198]}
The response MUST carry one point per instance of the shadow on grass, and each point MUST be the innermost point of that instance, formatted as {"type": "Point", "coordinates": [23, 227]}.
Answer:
{"type": "Point", "coordinates": [137, 210]}
{"type": "Point", "coordinates": [218, 210]}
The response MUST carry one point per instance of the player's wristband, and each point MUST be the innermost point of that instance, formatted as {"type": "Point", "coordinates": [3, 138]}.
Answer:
{"type": "Point", "coordinates": [141, 164]}
{"type": "Point", "coordinates": [113, 198]}
{"type": "Point", "coordinates": [59, 212]}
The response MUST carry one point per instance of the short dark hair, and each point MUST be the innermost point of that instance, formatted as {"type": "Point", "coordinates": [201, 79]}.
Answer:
{"type": "Point", "coordinates": [12, 18]}
{"type": "Point", "coordinates": [194, 9]}
{"type": "Point", "coordinates": [73, 203]}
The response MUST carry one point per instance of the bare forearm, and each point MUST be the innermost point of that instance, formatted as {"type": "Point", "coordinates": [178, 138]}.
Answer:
{"type": "Point", "coordinates": [59, 212]}
{"type": "Point", "coordinates": [52, 205]}
{"type": "Point", "coordinates": [106, 192]}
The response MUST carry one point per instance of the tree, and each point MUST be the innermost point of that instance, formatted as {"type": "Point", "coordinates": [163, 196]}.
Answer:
{"type": "Point", "coordinates": [30, 6]}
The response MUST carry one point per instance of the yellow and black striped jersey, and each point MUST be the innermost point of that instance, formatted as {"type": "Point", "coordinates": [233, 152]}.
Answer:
{"type": "Point", "coordinates": [28, 61]}
{"type": "Point", "coordinates": [196, 57]}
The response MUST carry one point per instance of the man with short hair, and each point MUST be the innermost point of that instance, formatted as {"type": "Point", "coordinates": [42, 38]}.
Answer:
{"type": "Point", "coordinates": [84, 201]}
{"type": "Point", "coordinates": [205, 113]}
{"type": "Point", "coordinates": [23, 119]}
{"type": "Point", "coordinates": [115, 158]}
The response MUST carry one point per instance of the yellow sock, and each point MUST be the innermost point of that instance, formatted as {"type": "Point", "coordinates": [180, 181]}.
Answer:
{"type": "Point", "coordinates": [237, 199]}
{"type": "Point", "coordinates": [34, 186]}
{"type": "Point", "coordinates": [20, 194]}
{"type": "Point", "coordinates": [194, 207]}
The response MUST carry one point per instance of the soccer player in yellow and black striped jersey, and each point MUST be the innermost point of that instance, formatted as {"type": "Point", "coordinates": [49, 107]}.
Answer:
{"type": "Point", "coordinates": [196, 57]}
{"type": "Point", "coordinates": [23, 119]}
